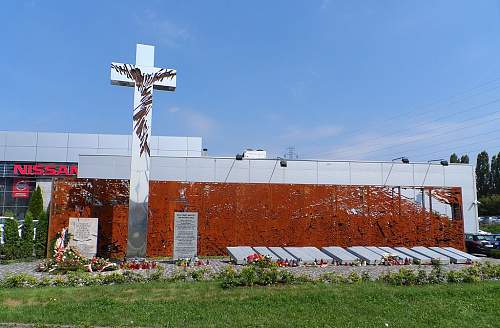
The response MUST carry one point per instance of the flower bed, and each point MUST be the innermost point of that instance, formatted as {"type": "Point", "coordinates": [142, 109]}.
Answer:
{"type": "Point", "coordinates": [138, 265]}
{"type": "Point", "coordinates": [67, 259]}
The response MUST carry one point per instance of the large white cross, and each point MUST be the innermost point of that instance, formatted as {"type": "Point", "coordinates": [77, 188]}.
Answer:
{"type": "Point", "coordinates": [144, 77]}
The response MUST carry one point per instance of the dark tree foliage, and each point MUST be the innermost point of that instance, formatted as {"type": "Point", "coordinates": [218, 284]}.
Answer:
{"type": "Point", "coordinates": [27, 234]}
{"type": "Point", "coordinates": [42, 235]}
{"type": "Point", "coordinates": [454, 158]}
{"type": "Point", "coordinates": [489, 205]}
{"type": "Point", "coordinates": [464, 159]}
{"type": "Point", "coordinates": [483, 174]}
{"type": "Point", "coordinates": [36, 203]}
{"type": "Point", "coordinates": [495, 175]}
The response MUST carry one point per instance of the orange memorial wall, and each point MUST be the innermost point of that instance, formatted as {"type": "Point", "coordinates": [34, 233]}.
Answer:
{"type": "Point", "coordinates": [237, 214]}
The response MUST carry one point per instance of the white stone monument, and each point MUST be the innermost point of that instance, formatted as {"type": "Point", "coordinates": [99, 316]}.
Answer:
{"type": "Point", "coordinates": [144, 77]}
{"type": "Point", "coordinates": [185, 235]}
{"type": "Point", "coordinates": [83, 235]}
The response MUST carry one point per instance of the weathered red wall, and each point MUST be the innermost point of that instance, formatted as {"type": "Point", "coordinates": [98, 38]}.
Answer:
{"type": "Point", "coordinates": [262, 214]}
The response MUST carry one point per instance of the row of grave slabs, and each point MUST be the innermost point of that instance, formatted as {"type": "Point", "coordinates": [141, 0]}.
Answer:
{"type": "Point", "coordinates": [372, 255]}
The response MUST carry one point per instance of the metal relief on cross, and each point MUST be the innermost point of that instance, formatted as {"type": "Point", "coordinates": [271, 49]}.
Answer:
{"type": "Point", "coordinates": [144, 77]}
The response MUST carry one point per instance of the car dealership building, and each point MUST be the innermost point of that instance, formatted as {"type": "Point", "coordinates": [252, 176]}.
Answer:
{"type": "Point", "coordinates": [31, 159]}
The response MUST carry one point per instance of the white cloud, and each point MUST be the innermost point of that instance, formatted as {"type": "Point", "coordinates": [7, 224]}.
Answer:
{"type": "Point", "coordinates": [324, 4]}
{"type": "Point", "coordinates": [199, 122]}
{"type": "Point", "coordinates": [167, 32]}
{"type": "Point", "coordinates": [196, 122]}
{"type": "Point", "coordinates": [417, 142]}
{"type": "Point", "coordinates": [311, 133]}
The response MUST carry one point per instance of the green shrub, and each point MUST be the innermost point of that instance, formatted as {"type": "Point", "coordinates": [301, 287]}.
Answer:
{"type": "Point", "coordinates": [495, 253]}
{"type": "Point", "coordinates": [41, 235]}
{"type": "Point", "coordinates": [286, 277]}
{"type": "Point", "coordinates": [11, 248]}
{"type": "Point", "coordinates": [248, 276]}
{"type": "Point", "coordinates": [454, 276]}
{"type": "Point", "coordinates": [333, 278]}
{"type": "Point", "coordinates": [179, 276]}
{"type": "Point", "coordinates": [490, 271]}
{"type": "Point", "coordinates": [472, 274]}
{"type": "Point", "coordinates": [436, 276]}
{"type": "Point", "coordinates": [157, 274]}
{"type": "Point", "coordinates": [229, 277]}
{"type": "Point", "coordinates": [365, 276]}
{"type": "Point", "coordinates": [421, 278]}
{"type": "Point", "coordinates": [404, 277]}
{"type": "Point", "coordinates": [27, 235]}
{"type": "Point", "coordinates": [35, 205]}
{"type": "Point", "coordinates": [19, 280]}
{"type": "Point", "coordinates": [353, 278]}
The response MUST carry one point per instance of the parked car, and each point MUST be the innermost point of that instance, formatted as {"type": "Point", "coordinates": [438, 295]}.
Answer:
{"type": "Point", "coordinates": [479, 243]}
{"type": "Point", "coordinates": [496, 241]}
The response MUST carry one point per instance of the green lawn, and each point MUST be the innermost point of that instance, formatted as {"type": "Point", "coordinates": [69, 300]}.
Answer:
{"type": "Point", "coordinates": [202, 304]}
{"type": "Point", "coordinates": [492, 228]}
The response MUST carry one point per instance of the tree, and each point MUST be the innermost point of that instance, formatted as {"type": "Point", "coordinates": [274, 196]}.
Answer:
{"type": "Point", "coordinates": [495, 174]}
{"type": "Point", "coordinates": [36, 203]}
{"type": "Point", "coordinates": [27, 233]}
{"type": "Point", "coordinates": [464, 159]}
{"type": "Point", "coordinates": [489, 205]}
{"type": "Point", "coordinates": [483, 174]}
{"type": "Point", "coordinates": [41, 235]}
{"type": "Point", "coordinates": [454, 158]}
{"type": "Point", "coordinates": [11, 248]}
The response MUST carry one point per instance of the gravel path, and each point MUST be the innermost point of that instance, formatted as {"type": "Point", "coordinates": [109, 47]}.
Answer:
{"type": "Point", "coordinates": [217, 265]}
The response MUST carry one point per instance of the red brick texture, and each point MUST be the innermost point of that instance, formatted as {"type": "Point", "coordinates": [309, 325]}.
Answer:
{"type": "Point", "coordinates": [233, 214]}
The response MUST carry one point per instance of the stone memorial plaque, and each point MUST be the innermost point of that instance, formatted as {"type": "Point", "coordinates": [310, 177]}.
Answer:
{"type": "Point", "coordinates": [185, 235]}
{"type": "Point", "coordinates": [83, 235]}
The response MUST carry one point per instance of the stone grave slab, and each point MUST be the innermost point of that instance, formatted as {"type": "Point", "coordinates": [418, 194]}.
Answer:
{"type": "Point", "coordinates": [417, 257]}
{"type": "Point", "coordinates": [185, 235]}
{"type": "Point", "coordinates": [455, 258]}
{"type": "Point", "coordinates": [83, 235]}
{"type": "Point", "coordinates": [463, 254]}
{"type": "Point", "coordinates": [365, 254]}
{"type": "Point", "coordinates": [443, 259]}
{"type": "Point", "coordinates": [395, 252]}
{"type": "Point", "coordinates": [281, 253]}
{"type": "Point", "coordinates": [266, 252]}
{"type": "Point", "coordinates": [377, 250]}
{"type": "Point", "coordinates": [239, 254]}
{"type": "Point", "coordinates": [317, 254]}
{"type": "Point", "coordinates": [340, 254]}
{"type": "Point", "coordinates": [299, 253]}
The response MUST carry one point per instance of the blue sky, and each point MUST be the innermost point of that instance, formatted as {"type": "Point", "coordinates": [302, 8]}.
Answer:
{"type": "Point", "coordinates": [336, 79]}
